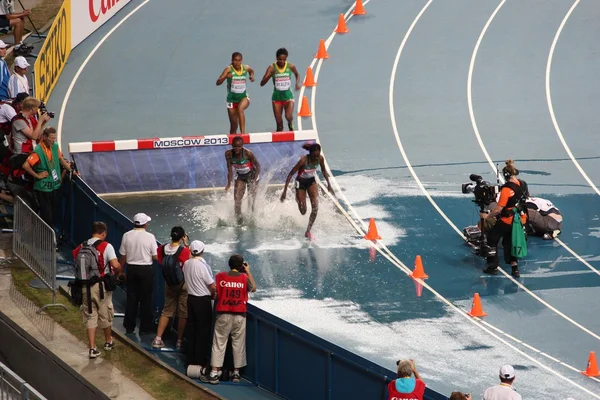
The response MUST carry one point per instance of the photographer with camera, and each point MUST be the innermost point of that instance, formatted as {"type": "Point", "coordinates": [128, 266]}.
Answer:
{"type": "Point", "coordinates": [512, 202]}
{"type": "Point", "coordinates": [232, 296]}
{"type": "Point", "coordinates": [26, 132]}
{"type": "Point", "coordinates": [44, 165]}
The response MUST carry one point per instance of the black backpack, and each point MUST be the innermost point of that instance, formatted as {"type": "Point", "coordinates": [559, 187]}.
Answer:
{"type": "Point", "coordinates": [170, 268]}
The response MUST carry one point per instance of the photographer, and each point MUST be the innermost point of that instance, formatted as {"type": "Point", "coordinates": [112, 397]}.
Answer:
{"type": "Point", "coordinates": [44, 165]}
{"type": "Point", "coordinates": [24, 131]}
{"type": "Point", "coordinates": [232, 296]}
{"type": "Point", "coordinates": [512, 198]}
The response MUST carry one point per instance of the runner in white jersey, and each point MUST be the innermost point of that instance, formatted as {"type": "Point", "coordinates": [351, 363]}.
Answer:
{"type": "Point", "coordinates": [306, 168]}
{"type": "Point", "coordinates": [243, 164]}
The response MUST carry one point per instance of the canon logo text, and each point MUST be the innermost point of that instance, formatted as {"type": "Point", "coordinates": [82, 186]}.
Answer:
{"type": "Point", "coordinates": [238, 285]}
{"type": "Point", "coordinates": [102, 9]}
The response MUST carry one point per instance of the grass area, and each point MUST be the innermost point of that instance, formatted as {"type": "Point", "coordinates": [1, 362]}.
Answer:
{"type": "Point", "coordinates": [42, 14]}
{"type": "Point", "coordinates": [155, 380]}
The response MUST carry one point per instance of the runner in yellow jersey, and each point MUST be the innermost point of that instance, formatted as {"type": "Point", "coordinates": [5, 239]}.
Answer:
{"type": "Point", "coordinates": [236, 75]}
{"type": "Point", "coordinates": [283, 97]}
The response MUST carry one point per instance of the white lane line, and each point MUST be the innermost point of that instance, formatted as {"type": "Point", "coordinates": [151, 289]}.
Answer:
{"type": "Point", "coordinates": [387, 253]}
{"type": "Point", "coordinates": [82, 67]}
{"type": "Point", "coordinates": [476, 129]}
{"type": "Point", "coordinates": [549, 99]}
{"type": "Point", "coordinates": [470, 80]}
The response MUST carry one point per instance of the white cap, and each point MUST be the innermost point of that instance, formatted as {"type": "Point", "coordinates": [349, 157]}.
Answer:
{"type": "Point", "coordinates": [21, 62]}
{"type": "Point", "coordinates": [196, 247]}
{"type": "Point", "coordinates": [3, 45]}
{"type": "Point", "coordinates": [507, 372]}
{"type": "Point", "coordinates": [141, 219]}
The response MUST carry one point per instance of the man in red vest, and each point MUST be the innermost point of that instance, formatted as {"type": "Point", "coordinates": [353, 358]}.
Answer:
{"type": "Point", "coordinates": [406, 387]}
{"type": "Point", "coordinates": [232, 296]}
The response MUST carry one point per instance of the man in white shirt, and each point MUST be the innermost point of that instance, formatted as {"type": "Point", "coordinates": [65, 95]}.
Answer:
{"type": "Point", "coordinates": [201, 290]}
{"type": "Point", "coordinates": [18, 82]}
{"type": "Point", "coordinates": [503, 391]}
{"type": "Point", "coordinates": [138, 251]}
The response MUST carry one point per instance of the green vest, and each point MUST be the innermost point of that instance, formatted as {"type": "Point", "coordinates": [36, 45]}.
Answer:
{"type": "Point", "coordinates": [52, 181]}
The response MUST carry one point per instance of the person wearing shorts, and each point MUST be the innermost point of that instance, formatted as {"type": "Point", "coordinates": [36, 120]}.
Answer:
{"type": "Point", "coordinates": [306, 169]}
{"type": "Point", "coordinates": [236, 74]}
{"type": "Point", "coordinates": [283, 97]}
{"type": "Point", "coordinates": [245, 166]}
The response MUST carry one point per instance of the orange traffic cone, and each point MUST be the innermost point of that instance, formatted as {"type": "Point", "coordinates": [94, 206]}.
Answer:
{"type": "Point", "coordinates": [477, 309]}
{"type": "Point", "coordinates": [322, 52]}
{"type": "Point", "coordinates": [304, 109]}
{"type": "Point", "coordinates": [309, 81]}
{"type": "Point", "coordinates": [358, 8]}
{"type": "Point", "coordinates": [419, 272]}
{"type": "Point", "coordinates": [341, 26]}
{"type": "Point", "coordinates": [372, 233]}
{"type": "Point", "coordinates": [592, 366]}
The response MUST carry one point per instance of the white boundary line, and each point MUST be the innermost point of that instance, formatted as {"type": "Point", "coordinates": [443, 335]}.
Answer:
{"type": "Point", "coordinates": [386, 252]}
{"type": "Point", "coordinates": [474, 122]}
{"type": "Point", "coordinates": [549, 99]}
{"type": "Point", "coordinates": [82, 67]}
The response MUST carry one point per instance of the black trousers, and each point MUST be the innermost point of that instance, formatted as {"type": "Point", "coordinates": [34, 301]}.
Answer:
{"type": "Point", "coordinates": [499, 231]}
{"type": "Point", "coordinates": [47, 204]}
{"type": "Point", "coordinates": [199, 329]}
{"type": "Point", "coordinates": [140, 284]}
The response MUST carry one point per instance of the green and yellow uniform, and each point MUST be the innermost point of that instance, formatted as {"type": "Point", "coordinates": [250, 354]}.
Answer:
{"type": "Point", "coordinates": [282, 81]}
{"type": "Point", "coordinates": [236, 85]}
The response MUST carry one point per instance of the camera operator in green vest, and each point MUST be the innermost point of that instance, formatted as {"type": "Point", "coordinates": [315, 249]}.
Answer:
{"type": "Point", "coordinates": [44, 165]}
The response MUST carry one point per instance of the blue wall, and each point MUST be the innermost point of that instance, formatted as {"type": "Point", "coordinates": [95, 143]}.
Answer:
{"type": "Point", "coordinates": [282, 358]}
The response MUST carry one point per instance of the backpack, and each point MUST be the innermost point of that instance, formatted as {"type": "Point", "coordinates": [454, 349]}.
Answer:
{"type": "Point", "coordinates": [170, 268]}
{"type": "Point", "coordinates": [87, 262]}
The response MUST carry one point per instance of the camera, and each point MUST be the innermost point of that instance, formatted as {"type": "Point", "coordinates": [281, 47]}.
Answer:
{"type": "Point", "coordinates": [243, 269]}
{"type": "Point", "coordinates": [485, 194]}
{"type": "Point", "coordinates": [44, 110]}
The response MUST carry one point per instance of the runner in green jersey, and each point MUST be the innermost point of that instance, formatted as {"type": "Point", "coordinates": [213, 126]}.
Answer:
{"type": "Point", "coordinates": [236, 75]}
{"type": "Point", "coordinates": [306, 182]}
{"type": "Point", "coordinates": [283, 97]}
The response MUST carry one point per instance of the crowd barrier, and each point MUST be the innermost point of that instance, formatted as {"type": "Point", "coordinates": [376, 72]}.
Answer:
{"type": "Point", "coordinates": [34, 243]}
{"type": "Point", "coordinates": [12, 387]}
{"type": "Point", "coordinates": [278, 352]}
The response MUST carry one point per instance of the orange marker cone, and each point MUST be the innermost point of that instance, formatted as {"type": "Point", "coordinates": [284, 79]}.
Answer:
{"type": "Point", "coordinates": [322, 52]}
{"type": "Point", "coordinates": [419, 272]}
{"type": "Point", "coordinates": [309, 81]}
{"type": "Point", "coordinates": [358, 8]}
{"type": "Point", "coordinates": [592, 366]}
{"type": "Point", "coordinates": [341, 26]}
{"type": "Point", "coordinates": [304, 109]}
{"type": "Point", "coordinates": [372, 233]}
{"type": "Point", "coordinates": [477, 309]}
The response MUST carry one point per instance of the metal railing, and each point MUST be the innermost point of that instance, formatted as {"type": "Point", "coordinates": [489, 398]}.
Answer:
{"type": "Point", "coordinates": [12, 387]}
{"type": "Point", "coordinates": [34, 243]}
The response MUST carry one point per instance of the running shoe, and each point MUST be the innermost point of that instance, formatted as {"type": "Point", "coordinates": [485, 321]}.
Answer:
{"type": "Point", "coordinates": [158, 344]}
{"type": "Point", "coordinates": [235, 377]}
{"type": "Point", "coordinates": [308, 235]}
{"type": "Point", "coordinates": [109, 346]}
{"type": "Point", "coordinates": [94, 353]}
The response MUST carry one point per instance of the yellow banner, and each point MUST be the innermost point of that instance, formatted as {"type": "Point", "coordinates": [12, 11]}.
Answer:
{"type": "Point", "coordinates": [54, 54]}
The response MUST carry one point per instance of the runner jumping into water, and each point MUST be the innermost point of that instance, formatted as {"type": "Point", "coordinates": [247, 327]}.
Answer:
{"type": "Point", "coordinates": [237, 98]}
{"type": "Point", "coordinates": [247, 170]}
{"type": "Point", "coordinates": [283, 97]}
{"type": "Point", "coordinates": [306, 168]}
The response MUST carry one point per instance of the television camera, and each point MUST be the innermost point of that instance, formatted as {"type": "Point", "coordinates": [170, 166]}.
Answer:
{"type": "Point", "coordinates": [485, 194]}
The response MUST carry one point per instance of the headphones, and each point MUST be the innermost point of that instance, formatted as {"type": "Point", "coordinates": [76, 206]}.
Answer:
{"type": "Point", "coordinates": [507, 174]}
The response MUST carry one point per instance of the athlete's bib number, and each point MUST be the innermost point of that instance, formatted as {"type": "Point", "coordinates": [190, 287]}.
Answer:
{"type": "Point", "coordinates": [229, 105]}
{"type": "Point", "coordinates": [238, 86]}
{"type": "Point", "coordinates": [283, 83]}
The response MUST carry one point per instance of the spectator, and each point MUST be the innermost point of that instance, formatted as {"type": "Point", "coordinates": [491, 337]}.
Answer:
{"type": "Point", "coordinates": [405, 386]}
{"type": "Point", "coordinates": [97, 307]}
{"type": "Point", "coordinates": [503, 391]}
{"type": "Point", "coordinates": [138, 249]}
{"type": "Point", "coordinates": [16, 21]}
{"type": "Point", "coordinates": [44, 165]}
{"type": "Point", "coordinates": [18, 82]}
{"type": "Point", "coordinates": [232, 296]}
{"type": "Point", "coordinates": [24, 132]}
{"type": "Point", "coordinates": [171, 257]}
{"type": "Point", "coordinates": [460, 396]}
{"type": "Point", "coordinates": [201, 288]}
{"type": "Point", "coordinates": [4, 71]}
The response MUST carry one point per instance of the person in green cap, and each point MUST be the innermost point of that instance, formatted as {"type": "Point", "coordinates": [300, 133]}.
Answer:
{"type": "Point", "coordinates": [283, 97]}
{"type": "Point", "coordinates": [236, 75]}
{"type": "Point", "coordinates": [44, 165]}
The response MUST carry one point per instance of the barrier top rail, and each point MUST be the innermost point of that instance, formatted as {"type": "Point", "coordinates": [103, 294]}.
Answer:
{"type": "Point", "coordinates": [189, 141]}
